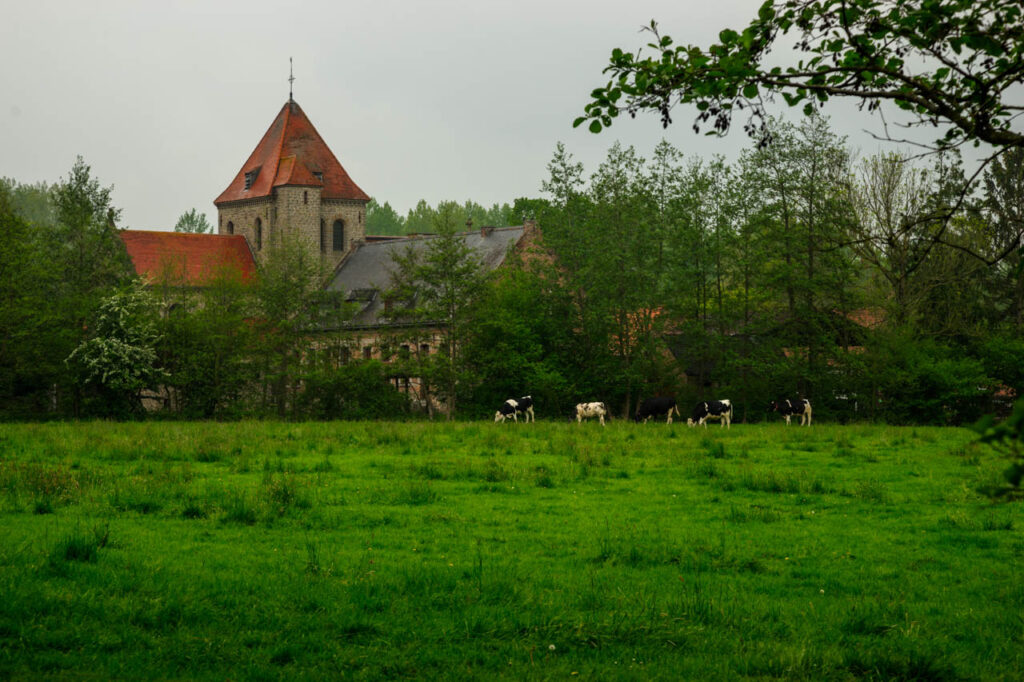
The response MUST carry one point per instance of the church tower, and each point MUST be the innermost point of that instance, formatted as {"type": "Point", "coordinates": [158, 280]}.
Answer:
{"type": "Point", "coordinates": [292, 187]}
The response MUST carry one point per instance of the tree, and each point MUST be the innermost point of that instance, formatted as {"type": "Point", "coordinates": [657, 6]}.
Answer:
{"type": "Point", "coordinates": [1004, 204]}
{"type": "Point", "coordinates": [947, 63]}
{"type": "Point", "coordinates": [90, 260]}
{"type": "Point", "coordinates": [382, 219]}
{"type": "Point", "coordinates": [193, 222]}
{"type": "Point", "coordinates": [436, 286]}
{"type": "Point", "coordinates": [25, 338]}
{"type": "Point", "coordinates": [119, 358]}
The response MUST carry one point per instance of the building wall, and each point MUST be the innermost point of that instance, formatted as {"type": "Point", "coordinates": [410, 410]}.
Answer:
{"type": "Point", "coordinates": [353, 215]}
{"type": "Point", "coordinates": [299, 212]}
{"type": "Point", "coordinates": [244, 215]}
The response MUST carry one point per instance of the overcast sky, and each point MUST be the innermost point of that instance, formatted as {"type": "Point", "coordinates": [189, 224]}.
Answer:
{"type": "Point", "coordinates": [454, 99]}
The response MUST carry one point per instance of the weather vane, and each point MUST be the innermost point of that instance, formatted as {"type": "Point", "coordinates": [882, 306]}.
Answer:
{"type": "Point", "coordinates": [291, 79]}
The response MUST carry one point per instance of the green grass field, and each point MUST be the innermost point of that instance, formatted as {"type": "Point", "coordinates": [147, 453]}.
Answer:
{"type": "Point", "coordinates": [474, 550]}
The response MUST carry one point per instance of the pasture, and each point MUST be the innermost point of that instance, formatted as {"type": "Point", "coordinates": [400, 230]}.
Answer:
{"type": "Point", "coordinates": [475, 550]}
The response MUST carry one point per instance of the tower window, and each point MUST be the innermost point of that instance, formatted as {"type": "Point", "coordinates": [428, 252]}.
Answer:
{"type": "Point", "coordinates": [250, 178]}
{"type": "Point", "coordinates": [339, 235]}
{"type": "Point", "coordinates": [323, 242]}
{"type": "Point", "coordinates": [231, 227]}
{"type": "Point", "coordinates": [259, 234]}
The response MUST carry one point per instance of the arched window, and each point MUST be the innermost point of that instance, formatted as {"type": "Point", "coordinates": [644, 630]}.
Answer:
{"type": "Point", "coordinates": [339, 235]}
{"type": "Point", "coordinates": [259, 234]}
{"type": "Point", "coordinates": [323, 241]}
{"type": "Point", "coordinates": [305, 197]}
{"type": "Point", "coordinates": [231, 227]}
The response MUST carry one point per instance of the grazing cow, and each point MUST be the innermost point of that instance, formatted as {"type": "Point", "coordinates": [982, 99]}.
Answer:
{"type": "Point", "coordinates": [513, 408]}
{"type": "Point", "coordinates": [712, 409]}
{"type": "Point", "coordinates": [800, 407]}
{"type": "Point", "coordinates": [655, 407]}
{"type": "Point", "coordinates": [588, 410]}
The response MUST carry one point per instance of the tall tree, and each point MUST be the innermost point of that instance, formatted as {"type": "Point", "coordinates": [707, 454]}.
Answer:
{"type": "Point", "coordinates": [435, 287]}
{"type": "Point", "coordinates": [89, 256]}
{"type": "Point", "coordinates": [1004, 205]}
{"type": "Point", "coordinates": [26, 362]}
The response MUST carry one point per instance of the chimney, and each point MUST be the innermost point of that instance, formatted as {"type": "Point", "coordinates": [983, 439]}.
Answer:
{"type": "Point", "coordinates": [486, 230]}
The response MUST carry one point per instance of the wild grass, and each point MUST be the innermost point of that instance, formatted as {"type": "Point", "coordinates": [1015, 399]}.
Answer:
{"type": "Point", "coordinates": [414, 550]}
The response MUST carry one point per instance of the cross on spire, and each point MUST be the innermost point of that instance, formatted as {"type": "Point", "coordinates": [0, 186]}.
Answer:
{"type": "Point", "coordinates": [291, 79]}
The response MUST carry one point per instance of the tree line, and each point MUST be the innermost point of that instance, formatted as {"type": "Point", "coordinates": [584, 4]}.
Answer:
{"type": "Point", "coordinates": [883, 288]}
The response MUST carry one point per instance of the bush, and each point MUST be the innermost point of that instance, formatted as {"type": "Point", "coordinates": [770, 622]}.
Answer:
{"type": "Point", "coordinates": [357, 390]}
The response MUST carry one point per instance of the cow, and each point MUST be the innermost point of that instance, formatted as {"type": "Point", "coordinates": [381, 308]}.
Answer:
{"type": "Point", "coordinates": [655, 407]}
{"type": "Point", "coordinates": [800, 407]}
{"type": "Point", "coordinates": [588, 410]}
{"type": "Point", "coordinates": [712, 409]}
{"type": "Point", "coordinates": [514, 407]}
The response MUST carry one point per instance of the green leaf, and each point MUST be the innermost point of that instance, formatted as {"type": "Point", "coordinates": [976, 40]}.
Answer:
{"type": "Point", "coordinates": [595, 126]}
{"type": "Point", "coordinates": [750, 90]}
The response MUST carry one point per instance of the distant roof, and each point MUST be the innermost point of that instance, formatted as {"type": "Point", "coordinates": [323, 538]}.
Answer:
{"type": "Point", "coordinates": [369, 267]}
{"type": "Point", "coordinates": [193, 258]}
{"type": "Point", "coordinates": [292, 153]}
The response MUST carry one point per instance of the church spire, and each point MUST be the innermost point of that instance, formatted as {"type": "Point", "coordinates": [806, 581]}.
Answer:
{"type": "Point", "coordinates": [291, 79]}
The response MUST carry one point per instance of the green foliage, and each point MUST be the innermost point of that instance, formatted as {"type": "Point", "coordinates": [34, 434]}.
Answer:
{"type": "Point", "coordinates": [870, 50]}
{"type": "Point", "coordinates": [193, 222]}
{"type": "Point", "coordinates": [357, 390]}
{"type": "Point", "coordinates": [1007, 438]}
{"type": "Point", "coordinates": [119, 357]}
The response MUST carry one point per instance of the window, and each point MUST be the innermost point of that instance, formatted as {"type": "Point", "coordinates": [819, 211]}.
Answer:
{"type": "Point", "coordinates": [318, 175]}
{"type": "Point", "coordinates": [403, 352]}
{"type": "Point", "coordinates": [259, 234]}
{"type": "Point", "coordinates": [323, 242]}
{"type": "Point", "coordinates": [343, 355]}
{"type": "Point", "coordinates": [425, 348]}
{"type": "Point", "coordinates": [305, 197]}
{"type": "Point", "coordinates": [367, 352]}
{"type": "Point", "coordinates": [250, 178]}
{"type": "Point", "coordinates": [231, 227]}
{"type": "Point", "coordinates": [339, 235]}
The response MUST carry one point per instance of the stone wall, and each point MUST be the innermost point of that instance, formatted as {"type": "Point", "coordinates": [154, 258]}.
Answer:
{"type": "Point", "coordinates": [353, 215]}
{"type": "Point", "coordinates": [297, 212]}
{"type": "Point", "coordinates": [244, 214]}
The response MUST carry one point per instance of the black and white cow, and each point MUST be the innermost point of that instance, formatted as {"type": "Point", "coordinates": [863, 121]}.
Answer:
{"type": "Point", "coordinates": [712, 409]}
{"type": "Point", "coordinates": [588, 410]}
{"type": "Point", "coordinates": [655, 407]}
{"type": "Point", "coordinates": [798, 407]}
{"type": "Point", "coordinates": [514, 407]}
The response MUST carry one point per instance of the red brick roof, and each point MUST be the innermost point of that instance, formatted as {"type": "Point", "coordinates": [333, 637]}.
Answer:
{"type": "Point", "coordinates": [291, 153]}
{"type": "Point", "coordinates": [192, 259]}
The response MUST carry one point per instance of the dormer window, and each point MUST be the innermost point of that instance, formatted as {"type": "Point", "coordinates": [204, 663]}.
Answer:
{"type": "Point", "coordinates": [319, 176]}
{"type": "Point", "coordinates": [250, 178]}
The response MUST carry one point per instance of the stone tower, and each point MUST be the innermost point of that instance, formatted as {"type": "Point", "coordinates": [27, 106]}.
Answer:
{"type": "Point", "coordinates": [292, 187]}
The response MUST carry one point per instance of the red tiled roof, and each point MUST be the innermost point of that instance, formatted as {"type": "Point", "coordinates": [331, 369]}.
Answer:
{"type": "Point", "coordinates": [190, 258]}
{"type": "Point", "coordinates": [290, 152]}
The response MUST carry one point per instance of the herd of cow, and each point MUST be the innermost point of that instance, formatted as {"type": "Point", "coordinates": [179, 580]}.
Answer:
{"type": "Point", "coordinates": [655, 407]}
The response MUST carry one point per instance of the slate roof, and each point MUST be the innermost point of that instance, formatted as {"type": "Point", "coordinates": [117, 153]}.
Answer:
{"type": "Point", "coordinates": [369, 267]}
{"type": "Point", "coordinates": [292, 153]}
{"type": "Point", "coordinates": [192, 257]}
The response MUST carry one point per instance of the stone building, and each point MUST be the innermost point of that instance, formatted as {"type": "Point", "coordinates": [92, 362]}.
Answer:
{"type": "Point", "coordinates": [293, 187]}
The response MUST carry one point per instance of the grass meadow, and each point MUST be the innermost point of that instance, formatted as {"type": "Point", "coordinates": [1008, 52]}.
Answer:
{"type": "Point", "coordinates": [473, 550]}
